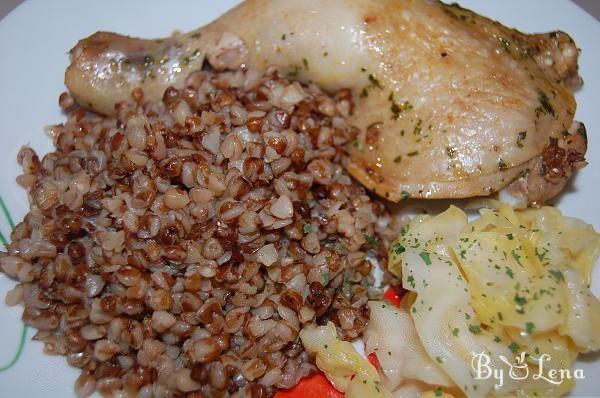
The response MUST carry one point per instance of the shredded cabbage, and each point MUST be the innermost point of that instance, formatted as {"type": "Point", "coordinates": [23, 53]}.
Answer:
{"type": "Point", "coordinates": [392, 336]}
{"type": "Point", "coordinates": [508, 282]}
{"type": "Point", "coordinates": [346, 369]}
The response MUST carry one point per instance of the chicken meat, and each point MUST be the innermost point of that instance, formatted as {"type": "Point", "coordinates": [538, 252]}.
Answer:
{"type": "Point", "coordinates": [449, 104]}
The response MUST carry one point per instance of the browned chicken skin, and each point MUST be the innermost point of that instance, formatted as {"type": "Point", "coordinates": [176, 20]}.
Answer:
{"type": "Point", "coordinates": [449, 103]}
{"type": "Point", "coordinates": [548, 174]}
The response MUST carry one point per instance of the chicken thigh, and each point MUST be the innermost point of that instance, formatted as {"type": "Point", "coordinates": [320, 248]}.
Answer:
{"type": "Point", "coordinates": [449, 104]}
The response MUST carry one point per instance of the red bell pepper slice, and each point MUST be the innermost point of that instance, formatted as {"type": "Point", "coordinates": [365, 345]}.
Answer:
{"type": "Point", "coordinates": [314, 386]}
{"type": "Point", "coordinates": [392, 296]}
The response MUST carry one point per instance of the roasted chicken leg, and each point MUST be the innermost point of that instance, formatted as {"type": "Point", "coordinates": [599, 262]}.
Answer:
{"type": "Point", "coordinates": [450, 104]}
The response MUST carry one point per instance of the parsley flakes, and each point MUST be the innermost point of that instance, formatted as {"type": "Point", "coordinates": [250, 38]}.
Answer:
{"type": "Point", "coordinates": [529, 326]}
{"type": "Point", "coordinates": [372, 240]}
{"type": "Point", "coordinates": [475, 329]}
{"type": "Point", "coordinates": [398, 249]}
{"type": "Point", "coordinates": [520, 137]}
{"type": "Point", "coordinates": [520, 300]}
{"type": "Point", "coordinates": [557, 275]}
{"type": "Point", "coordinates": [425, 257]}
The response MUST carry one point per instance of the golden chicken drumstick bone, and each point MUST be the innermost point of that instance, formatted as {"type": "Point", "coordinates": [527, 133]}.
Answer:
{"type": "Point", "coordinates": [450, 104]}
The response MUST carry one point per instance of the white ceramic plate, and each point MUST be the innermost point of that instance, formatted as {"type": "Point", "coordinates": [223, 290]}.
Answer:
{"type": "Point", "coordinates": [34, 40]}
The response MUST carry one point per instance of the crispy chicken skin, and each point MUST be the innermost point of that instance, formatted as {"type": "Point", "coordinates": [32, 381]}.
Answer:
{"type": "Point", "coordinates": [547, 175]}
{"type": "Point", "coordinates": [449, 104]}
